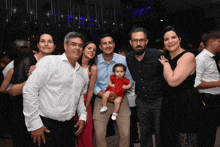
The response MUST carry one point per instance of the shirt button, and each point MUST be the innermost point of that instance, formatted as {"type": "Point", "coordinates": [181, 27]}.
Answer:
{"type": "Point", "coordinates": [141, 79]}
{"type": "Point", "coordinates": [143, 87]}
{"type": "Point", "coordinates": [139, 71]}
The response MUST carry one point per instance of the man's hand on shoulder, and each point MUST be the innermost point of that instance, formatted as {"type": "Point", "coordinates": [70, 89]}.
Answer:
{"type": "Point", "coordinates": [38, 135]}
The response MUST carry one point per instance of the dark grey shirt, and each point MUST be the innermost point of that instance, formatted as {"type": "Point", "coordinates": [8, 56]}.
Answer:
{"type": "Point", "coordinates": [148, 75]}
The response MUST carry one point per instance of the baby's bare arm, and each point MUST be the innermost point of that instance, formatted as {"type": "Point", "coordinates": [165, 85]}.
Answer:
{"type": "Point", "coordinates": [110, 84]}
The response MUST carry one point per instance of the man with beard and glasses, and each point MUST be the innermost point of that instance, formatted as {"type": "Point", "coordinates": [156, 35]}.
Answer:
{"type": "Point", "coordinates": [147, 73]}
{"type": "Point", "coordinates": [106, 60]}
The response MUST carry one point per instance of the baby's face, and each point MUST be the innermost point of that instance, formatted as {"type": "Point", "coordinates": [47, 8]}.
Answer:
{"type": "Point", "coordinates": [119, 72]}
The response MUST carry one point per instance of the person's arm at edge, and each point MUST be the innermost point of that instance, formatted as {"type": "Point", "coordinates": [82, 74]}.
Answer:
{"type": "Point", "coordinates": [6, 81]}
{"type": "Point", "coordinates": [16, 89]}
{"type": "Point", "coordinates": [94, 71]}
{"type": "Point", "coordinates": [200, 69]}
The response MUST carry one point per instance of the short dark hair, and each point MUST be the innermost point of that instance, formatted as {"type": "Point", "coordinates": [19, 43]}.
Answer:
{"type": "Point", "coordinates": [119, 65]}
{"type": "Point", "coordinates": [138, 29]}
{"type": "Point", "coordinates": [171, 28]}
{"type": "Point", "coordinates": [125, 48]}
{"type": "Point", "coordinates": [73, 35]}
{"type": "Point", "coordinates": [105, 35]}
{"type": "Point", "coordinates": [213, 34]}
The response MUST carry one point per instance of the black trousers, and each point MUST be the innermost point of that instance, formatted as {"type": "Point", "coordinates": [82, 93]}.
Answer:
{"type": "Point", "coordinates": [149, 118]}
{"type": "Point", "coordinates": [133, 125]}
{"type": "Point", "coordinates": [211, 119]}
{"type": "Point", "coordinates": [62, 134]}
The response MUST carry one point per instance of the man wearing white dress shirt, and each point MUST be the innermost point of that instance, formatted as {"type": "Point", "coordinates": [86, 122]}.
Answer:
{"type": "Point", "coordinates": [52, 95]}
{"type": "Point", "coordinates": [208, 83]}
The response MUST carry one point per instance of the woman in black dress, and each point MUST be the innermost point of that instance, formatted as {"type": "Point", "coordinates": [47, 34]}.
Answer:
{"type": "Point", "coordinates": [181, 105]}
{"type": "Point", "coordinates": [22, 68]}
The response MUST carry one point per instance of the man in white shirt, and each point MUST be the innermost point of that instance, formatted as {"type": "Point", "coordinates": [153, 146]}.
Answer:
{"type": "Point", "coordinates": [208, 83]}
{"type": "Point", "coordinates": [52, 95]}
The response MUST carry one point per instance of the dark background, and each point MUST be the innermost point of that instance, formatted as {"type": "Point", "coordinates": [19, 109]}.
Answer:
{"type": "Point", "coordinates": [191, 17]}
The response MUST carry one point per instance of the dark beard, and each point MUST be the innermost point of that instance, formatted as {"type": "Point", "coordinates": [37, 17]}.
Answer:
{"type": "Point", "coordinates": [139, 52]}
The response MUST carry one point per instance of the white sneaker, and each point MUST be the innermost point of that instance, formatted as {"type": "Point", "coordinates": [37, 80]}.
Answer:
{"type": "Point", "coordinates": [114, 115]}
{"type": "Point", "coordinates": [103, 109]}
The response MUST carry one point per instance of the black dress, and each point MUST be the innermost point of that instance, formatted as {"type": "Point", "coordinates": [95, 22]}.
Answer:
{"type": "Point", "coordinates": [21, 68]}
{"type": "Point", "coordinates": [181, 109]}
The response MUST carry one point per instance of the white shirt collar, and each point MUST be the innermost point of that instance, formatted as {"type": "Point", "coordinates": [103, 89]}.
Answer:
{"type": "Point", "coordinates": [208, 53]}
{"type": "Point", "coordinates": [64, 58]}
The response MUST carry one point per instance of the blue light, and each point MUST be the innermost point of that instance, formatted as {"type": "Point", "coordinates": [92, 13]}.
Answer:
{"type": "Point", "coordinates": [140, 11]}
{"type": "Point", "coordinates": [55, 14]}
{"type": "Point", "coordinates": [69, 16]}
{"type": "Point", "coordinates": [81, 17]}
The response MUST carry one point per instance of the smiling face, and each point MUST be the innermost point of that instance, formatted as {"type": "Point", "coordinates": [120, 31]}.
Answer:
{"type": "Point", "coordinates": [171, 41]}
{"type": "Point", "coordinates": [46, 44]}
{"type": "Point", "coordinates": [89, 51]}
{"type": "Point", "coordinates": [138, 42]}
{"type": "Point", "coordinates": [73, 49]}
{"type": "Point", "coordinates": [119, 72]}
{"type": "Point", "coordinates": [107, 45]}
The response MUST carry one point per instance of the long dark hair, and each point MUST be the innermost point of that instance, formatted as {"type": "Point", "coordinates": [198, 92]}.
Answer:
{"type": "Point", "coordinates": [93, 60]}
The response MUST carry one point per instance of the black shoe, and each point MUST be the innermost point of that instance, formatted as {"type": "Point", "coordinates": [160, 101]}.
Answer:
{"type": "Point", "coordinates": [137, 141]}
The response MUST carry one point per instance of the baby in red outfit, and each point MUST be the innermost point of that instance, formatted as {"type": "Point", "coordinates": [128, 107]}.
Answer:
{"type": "Point", "coordinates": [117, 84]}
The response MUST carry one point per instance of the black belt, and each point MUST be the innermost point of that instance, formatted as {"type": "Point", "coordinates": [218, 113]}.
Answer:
{"type": "Point", "coordinates": [58, 121]}
{"type": "Point", "coordinates": [210, 95]}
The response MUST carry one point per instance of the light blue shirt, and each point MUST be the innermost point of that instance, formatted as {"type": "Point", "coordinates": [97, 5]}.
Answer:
{"type": "Point", "coordinates": [105, 71]}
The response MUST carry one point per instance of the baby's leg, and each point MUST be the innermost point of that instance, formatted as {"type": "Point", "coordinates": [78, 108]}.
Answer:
{"type": "Point", "coordinates": [117, 107]}
{"type": "Point", "coordinates": [117, 104]}
{"type": "Point", "coordinates": [105, 97]}
{"type": "Point", "coordinates": [104, 101]}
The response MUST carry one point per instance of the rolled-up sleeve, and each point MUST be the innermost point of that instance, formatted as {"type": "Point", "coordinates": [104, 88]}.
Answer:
{"type": "Point", "coordinates": [200, 68]}
{"type": "Point", "coordinates": [97, 89]}
{"type": "Point", "coordinates": [35, 82]}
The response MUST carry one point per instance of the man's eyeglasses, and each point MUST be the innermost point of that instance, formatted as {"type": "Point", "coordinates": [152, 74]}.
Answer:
{"type": "Point", "coordinates": [140, 40]}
